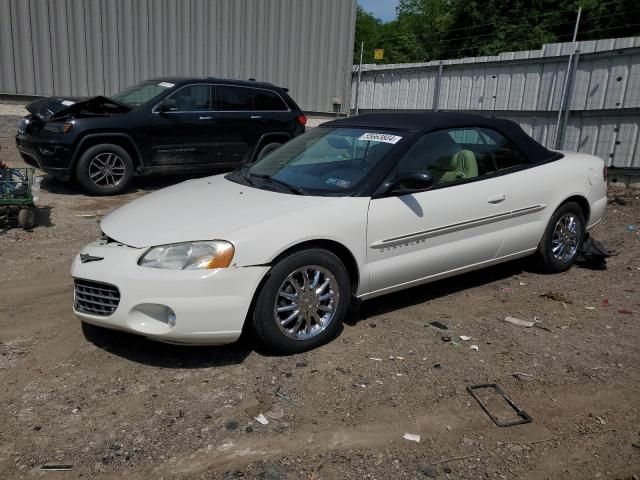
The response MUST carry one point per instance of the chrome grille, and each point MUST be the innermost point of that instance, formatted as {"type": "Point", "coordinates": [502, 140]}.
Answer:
{"type": "Point", "coordinates": [96, 298]}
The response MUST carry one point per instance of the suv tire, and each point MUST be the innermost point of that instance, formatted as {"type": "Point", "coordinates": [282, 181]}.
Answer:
{"type": "Point", "coordinates": [105, 169]}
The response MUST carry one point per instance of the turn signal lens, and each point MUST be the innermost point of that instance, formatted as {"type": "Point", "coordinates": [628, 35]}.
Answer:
{"type": "Point", "coordinates": [223, 257]}
{"type": "Point", "coordinates": [67, 127]}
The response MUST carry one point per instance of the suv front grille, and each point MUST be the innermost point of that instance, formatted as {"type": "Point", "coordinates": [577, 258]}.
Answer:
{"type": "Point", "coordinates": [96, 298]}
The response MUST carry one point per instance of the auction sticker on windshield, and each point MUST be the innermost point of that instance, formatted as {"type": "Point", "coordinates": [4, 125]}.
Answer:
{"type": "Point", "coordinates": [166, 84]}
{"type": "Point", "coordinates": [380, 137]}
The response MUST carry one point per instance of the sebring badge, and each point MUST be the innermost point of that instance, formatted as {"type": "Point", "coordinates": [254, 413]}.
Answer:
{"type": "Point", "coordinates": [85, 258]}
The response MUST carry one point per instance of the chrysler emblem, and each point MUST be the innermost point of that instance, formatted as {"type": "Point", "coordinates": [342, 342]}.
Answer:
{"type": "Point", "coordinates": [85, 258]}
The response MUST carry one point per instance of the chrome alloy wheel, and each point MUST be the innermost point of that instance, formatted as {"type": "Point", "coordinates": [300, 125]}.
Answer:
{"type": "Point", "coordinates": [306, 303]}
{"type": "Point", "coordinates": [106, 169]}
{"type": "Point", "coordinates": [565, 238]}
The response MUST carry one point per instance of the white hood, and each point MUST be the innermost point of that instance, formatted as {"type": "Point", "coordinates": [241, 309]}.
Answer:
{"type": "Point", "coordinates": [204, 209]}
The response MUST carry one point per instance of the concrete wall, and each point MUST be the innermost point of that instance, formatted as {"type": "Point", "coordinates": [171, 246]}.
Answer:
{"type": "Point", "coordinates": [91, 47]}
{"type": "Point", "coordinates": [604, 117]}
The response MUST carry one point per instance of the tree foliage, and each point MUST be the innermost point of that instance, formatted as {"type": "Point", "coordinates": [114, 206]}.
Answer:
{"type": "Point", "coordinates": [438, 29]}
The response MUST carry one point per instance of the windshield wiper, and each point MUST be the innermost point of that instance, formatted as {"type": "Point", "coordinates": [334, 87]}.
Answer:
{"type": "Point", "coordinates": [267, 178]}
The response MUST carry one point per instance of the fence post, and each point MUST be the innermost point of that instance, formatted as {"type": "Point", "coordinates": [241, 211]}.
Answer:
{"type": "Point", "coordinates": [359, 75]}
{"type": "Point", "coordinates": [436, 90]}
{"type": "Point", "coordinates": [565, 107]}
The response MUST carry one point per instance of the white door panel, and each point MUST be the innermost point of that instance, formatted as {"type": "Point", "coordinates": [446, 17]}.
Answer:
{"type": "Point", "coordinates": [424, 234]}
{"type": "Point", "coordinates": [532, 192]}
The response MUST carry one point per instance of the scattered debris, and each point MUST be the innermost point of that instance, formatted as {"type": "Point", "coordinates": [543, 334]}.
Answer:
{"type": "Point", "coordinates": [593, 254]}
{"type": "Point", "coordinates": [518, 322]}
{"type": "Point", "coordinates": [464, 338]}
{"type": "Point", "coordinates": [301, 364]}
{"type": "Point", "coordinates": [631, 227]}
{"type": "Point", "coordinates": [393, 357]}
{"type": "Point", "coordinates": [231, 424]}
{"type": "Point", "coordinates": [522, 376]}
{"type": "Point", "coordinates": [437, 365]}
{"type": "Point", "coordinates": [411, 437]}
{"type": "Point", "coordinates": [524, 417]}
{"type": "Point", "coordinates": [428, 470]}
{"type": "Point", "coordinates": [590, 308]}
{"type": "Point", "coordinates": [558, 297]}
{"type": "Point", "coordinates": [474, 347]}
{"type": "Point", "coordinates": [375, 359]}
{"type": "Point", "coordinates": [261, 419]}
{"type": "Point", "coordinates": [439, 325]}
{"type": "Point", "coordinates": [446, 339]}
{"type": "Point", "coordinates": [624, 311]}
{"type": "Point", "coordinates": [276, 413]}
{"type": "Point", "coordinates": [605, 302]}
{"type": "Point", "coordinates": [56, 468]}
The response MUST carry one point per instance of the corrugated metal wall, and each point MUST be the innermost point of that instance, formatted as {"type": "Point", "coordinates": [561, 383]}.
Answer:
{"type": "Point", "coordinates": [527, 87]}
{"type": "Point", "coordinates": [91, 47]}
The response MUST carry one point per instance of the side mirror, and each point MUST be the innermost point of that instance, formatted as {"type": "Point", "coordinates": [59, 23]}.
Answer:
{"type": "Point", "coordinates": [407, 183]}
{"type": "Point", "coordinates": [167, 105]}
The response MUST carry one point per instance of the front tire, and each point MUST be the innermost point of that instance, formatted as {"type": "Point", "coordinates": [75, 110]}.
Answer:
{"type": "Point", "coordinates": [105, 169]}
{"type": "Point", "coordinates": [562, 238]}
{"type": "Point", "coordinates": [302, 303]}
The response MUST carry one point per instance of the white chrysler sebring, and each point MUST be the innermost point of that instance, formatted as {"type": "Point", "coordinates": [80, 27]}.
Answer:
{"type": "Point", "coordinates": [353, 209]}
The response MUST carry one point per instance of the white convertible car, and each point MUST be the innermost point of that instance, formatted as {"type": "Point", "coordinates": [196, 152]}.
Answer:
{"type": "Point", "coordinates": [356, 208]}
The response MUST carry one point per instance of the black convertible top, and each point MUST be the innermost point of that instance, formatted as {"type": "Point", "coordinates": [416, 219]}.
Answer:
{"type": "Point", "coordinates": [428, 121]}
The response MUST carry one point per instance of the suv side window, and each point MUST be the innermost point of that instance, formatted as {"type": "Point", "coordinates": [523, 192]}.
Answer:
{"type": "Point", "coordinates": [504, 153]}
{"type": "Point", "coordinates": [266, 100]}
{"type": "Point", "coordinates": [449, 156]}
{"type": "Point", "coordinates": [234, 99]}
{"type": "Point", "coordinates": [192, 98]}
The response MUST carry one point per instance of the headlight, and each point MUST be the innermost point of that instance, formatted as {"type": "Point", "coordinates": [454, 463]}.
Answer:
{"type": "Point", "coordinates": [189, 256]}
{"type": "Point", "coordinates": [58, 127]}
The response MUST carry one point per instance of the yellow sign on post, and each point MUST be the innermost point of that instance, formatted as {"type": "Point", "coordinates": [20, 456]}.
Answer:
{"type": "Point", "coordinates": [378, 54]}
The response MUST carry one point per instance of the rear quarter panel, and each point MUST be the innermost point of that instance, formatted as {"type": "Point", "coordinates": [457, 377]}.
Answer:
{"type": "Point", "coordinates": [550, 185]}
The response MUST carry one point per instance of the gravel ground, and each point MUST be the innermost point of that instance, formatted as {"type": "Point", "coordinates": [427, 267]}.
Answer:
{"type": "Point", "coordinates": [114, 405]}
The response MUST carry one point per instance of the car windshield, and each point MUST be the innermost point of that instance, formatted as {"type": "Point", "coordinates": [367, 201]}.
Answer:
{"type": "Point", "coordinates": [325, 161]}
{"type": "Point", "coordinates": [141, 93]}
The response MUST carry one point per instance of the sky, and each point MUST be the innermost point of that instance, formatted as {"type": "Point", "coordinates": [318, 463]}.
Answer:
{"type": "Point", "coordinates": [383, 9]}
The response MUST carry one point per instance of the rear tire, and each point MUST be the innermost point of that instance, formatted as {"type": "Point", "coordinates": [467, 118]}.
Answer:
{"type": "Point", "coordinates": [105, 169]}
{"type": "Point", "coordinates": [562, 238]}
{"type": "Point", "coordinates": [267, 149]}
{"type": "Point", "coordinates": [321, 302]}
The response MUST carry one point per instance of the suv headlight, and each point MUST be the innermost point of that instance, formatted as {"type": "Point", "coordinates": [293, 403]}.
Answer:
{"type": "Point", "coordinates": [189, 256]}
{"type": "Point", "coordinates": [58, 127]}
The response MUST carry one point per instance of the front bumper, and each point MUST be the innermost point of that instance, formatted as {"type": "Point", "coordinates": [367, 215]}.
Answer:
{"type": "Point", "coordinates": [210, 306]}
{"type": "Point", "coordinates": [50, 157]}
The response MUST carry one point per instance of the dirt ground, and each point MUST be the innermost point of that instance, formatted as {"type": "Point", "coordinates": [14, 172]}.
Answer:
{"type": "Point", "coordinates": [112, 405]}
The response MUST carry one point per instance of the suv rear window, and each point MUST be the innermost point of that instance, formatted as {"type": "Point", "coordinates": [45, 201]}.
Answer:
{"type": "Point", "coordinates": [238, 99]}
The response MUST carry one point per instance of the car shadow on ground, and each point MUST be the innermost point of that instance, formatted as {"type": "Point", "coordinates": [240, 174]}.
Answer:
{"type": "Point", "coordinates": [156, 354]}
{"type": "Point", "coordinates": [441, 288]}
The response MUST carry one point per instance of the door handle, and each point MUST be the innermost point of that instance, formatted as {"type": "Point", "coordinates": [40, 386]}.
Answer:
{"type": "Point", "coordinates": [206, 118]}
{"type": "Point", "coordinates": [253, 117]}
{"type": "Point", "coordinates": [497, 198]}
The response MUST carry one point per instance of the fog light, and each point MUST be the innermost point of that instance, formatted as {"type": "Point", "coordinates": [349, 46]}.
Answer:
{"type": "Point", "coordinates": [171, 318]}
{"type": "Point", "coordinates": [47, 151]}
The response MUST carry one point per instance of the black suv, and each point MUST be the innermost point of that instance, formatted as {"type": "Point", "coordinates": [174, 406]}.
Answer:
{"type": "Point", "coordinates": [160, 125]}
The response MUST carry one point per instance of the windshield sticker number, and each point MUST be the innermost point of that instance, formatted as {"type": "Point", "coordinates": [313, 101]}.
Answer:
{"type": "Point", "coordinates": [338, 183]}
{"type": "Point", "coordinates": [166, 84]}
{"type": "Point", "coordinates": [380, 137]}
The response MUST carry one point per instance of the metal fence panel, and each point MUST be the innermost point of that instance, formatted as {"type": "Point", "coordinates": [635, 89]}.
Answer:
{"type": "Point", "coordinates": [527, 87]}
